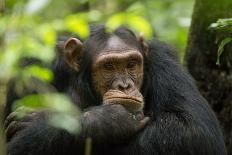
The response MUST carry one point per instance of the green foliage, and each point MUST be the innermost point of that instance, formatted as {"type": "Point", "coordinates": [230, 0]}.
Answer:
{"type": "Point", "coordinates": [223, 30]}
{"type": "Point", "coordinates": [65, 114]}
{"type": "Point", "coordinates": [53, 101]}
{"type": "Point", "coordinates": [77, 24]}
{"type": "Point", "coordinates": [136, 23]}
{"type": "Point", "coordinates": [47, 34]}
{"type": "Point", "coordinates": [222, 24]}
{"type": "Point", "coordinates": [35, 71]}
{"type": "Point", "coordinates": [221, 48]}
{"type": "Point", "coordinates": [23, 38]}
{"type": "Point", "coordinates": [33, 33]}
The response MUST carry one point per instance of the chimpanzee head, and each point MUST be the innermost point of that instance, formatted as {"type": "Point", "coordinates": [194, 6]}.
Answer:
{"type": "Point", "coordinates": [116, 63]}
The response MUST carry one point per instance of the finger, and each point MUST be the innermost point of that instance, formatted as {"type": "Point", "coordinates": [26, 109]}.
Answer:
{"type": "Point", "coordinates": [29, 117]}
{"type": "Point", "coordinates": [24, 109]}
{"type": "Point", "coordinates": [11, 117]}
{"type": "Point", "coordinates": [15, 116]}
{"type": "Point", "coordinates": [9, 132]}
{"type": "Point", "coordinates": [14, 127]}
{"type": "Point", "coordinates": [139, 116]}
{"type": "Point", "coordinates": [143, 122]}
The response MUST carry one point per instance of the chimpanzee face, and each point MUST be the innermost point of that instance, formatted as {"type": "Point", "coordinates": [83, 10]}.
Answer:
{"type": "Point", "coordinates": [116, 72]}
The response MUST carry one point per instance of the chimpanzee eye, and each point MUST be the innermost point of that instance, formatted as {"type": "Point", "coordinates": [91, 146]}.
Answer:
{"type": "Point", "coordinates": [132, 64]}
{"type": "Point", "coordinates": [108, 66]}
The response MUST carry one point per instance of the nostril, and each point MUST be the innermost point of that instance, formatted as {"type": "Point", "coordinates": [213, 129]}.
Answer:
{"type": "Point", "coordinates": [120, 88]}
{"type": "Point", "coordinates": [123, 86]}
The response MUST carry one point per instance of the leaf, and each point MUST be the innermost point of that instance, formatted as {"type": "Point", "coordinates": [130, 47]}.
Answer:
{"type": "Point", "coordinates": [221, 48]}
{"type": "Point", "coordinates": [65, 116]}
{"type": "Point", "coordinates": [29, 102]}
{"type": "Point", "coordinates": [39, 72]}
{"type": "Point", "coordinates": [54, 101]}
{"type": "Point", "coordinates": [65, 121]}
{"type": "Point", "coordinates": [137, 23]}
{"type": "Point", "coordinates": [222, 24]}
{"type": "Point", "coordinates": [140, 24]}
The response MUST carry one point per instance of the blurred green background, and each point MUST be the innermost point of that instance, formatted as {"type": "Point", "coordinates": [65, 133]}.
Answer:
{"type": "Point", "coordinates": [30, 27]}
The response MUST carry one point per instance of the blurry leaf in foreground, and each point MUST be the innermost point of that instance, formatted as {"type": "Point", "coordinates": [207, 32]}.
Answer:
{"type": "Point", "coordinates": [38, 72]}
{"type": "Point", "coordinates": [136, 23]}
{"type": "Point", "coordinates": [65, 121]}
{"type": "Point", "coordinates": [52, 101]}
{"type": "Point", "coordinates": [31, 47]}
{"type": "Point", "coordinates": [65, 116]}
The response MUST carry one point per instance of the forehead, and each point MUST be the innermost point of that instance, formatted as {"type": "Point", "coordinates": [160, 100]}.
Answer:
{"type": "Point", "coordinates": [117, 48]}
{"type": "Point", "coordinates": [116, 44]}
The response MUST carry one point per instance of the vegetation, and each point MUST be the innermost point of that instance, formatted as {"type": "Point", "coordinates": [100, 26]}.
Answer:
{"type": "Point", "coordinates": [30, 27]}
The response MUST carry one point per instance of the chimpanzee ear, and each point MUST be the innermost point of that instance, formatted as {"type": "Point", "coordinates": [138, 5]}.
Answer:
{"type": "Point", "coordinates": [143, 43]}
{"type": "Point", "coordinates": [73, 53]}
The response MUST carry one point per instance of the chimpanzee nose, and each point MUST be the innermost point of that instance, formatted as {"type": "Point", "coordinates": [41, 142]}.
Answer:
{"type": "Point", "coordinates": [122, 85]}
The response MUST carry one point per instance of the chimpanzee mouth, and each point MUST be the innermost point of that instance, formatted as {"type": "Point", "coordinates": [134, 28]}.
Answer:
{"type": "Point", "coordinates": [124, 98]}
{"type": "Point", "coordinates": [130, 102]}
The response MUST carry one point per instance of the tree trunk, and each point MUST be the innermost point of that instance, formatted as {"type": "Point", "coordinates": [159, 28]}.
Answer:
{"type": "Point", "coordinates": [2, 139]}
{"type": "Point", "coordinates": [214, 82]}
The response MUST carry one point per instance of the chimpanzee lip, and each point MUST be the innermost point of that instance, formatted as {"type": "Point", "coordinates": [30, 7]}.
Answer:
{"type": "Point", "coordinates": [124, 98]}
{"type": "Point", "coordinates": [119, 96]}
{"type": "Point", "coordinates": [131, 103]}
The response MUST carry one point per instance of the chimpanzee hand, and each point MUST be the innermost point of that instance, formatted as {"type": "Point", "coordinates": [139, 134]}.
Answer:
{"type": "Point", "coordinates": [102, 123]}
{"type": "Point", "coordinates": [14, 123]}
{"type": "Point", "coordinates": [111, 123]}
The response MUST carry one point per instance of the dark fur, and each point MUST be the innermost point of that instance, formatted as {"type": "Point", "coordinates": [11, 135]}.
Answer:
{"type": "Point", "coordinates": [181, 120]}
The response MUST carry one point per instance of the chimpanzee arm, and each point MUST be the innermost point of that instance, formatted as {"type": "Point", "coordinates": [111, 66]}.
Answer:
{"type": "Point", "coordinates": [178, 134]}
{"type": "Point", "coordinates": [106, 125]}
{"type": "Point", "coordinates": [41, 139]}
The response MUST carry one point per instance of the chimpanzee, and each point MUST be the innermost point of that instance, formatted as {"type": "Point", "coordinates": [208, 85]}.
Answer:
{"type": "Point", "coordinates": [136, 100]}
